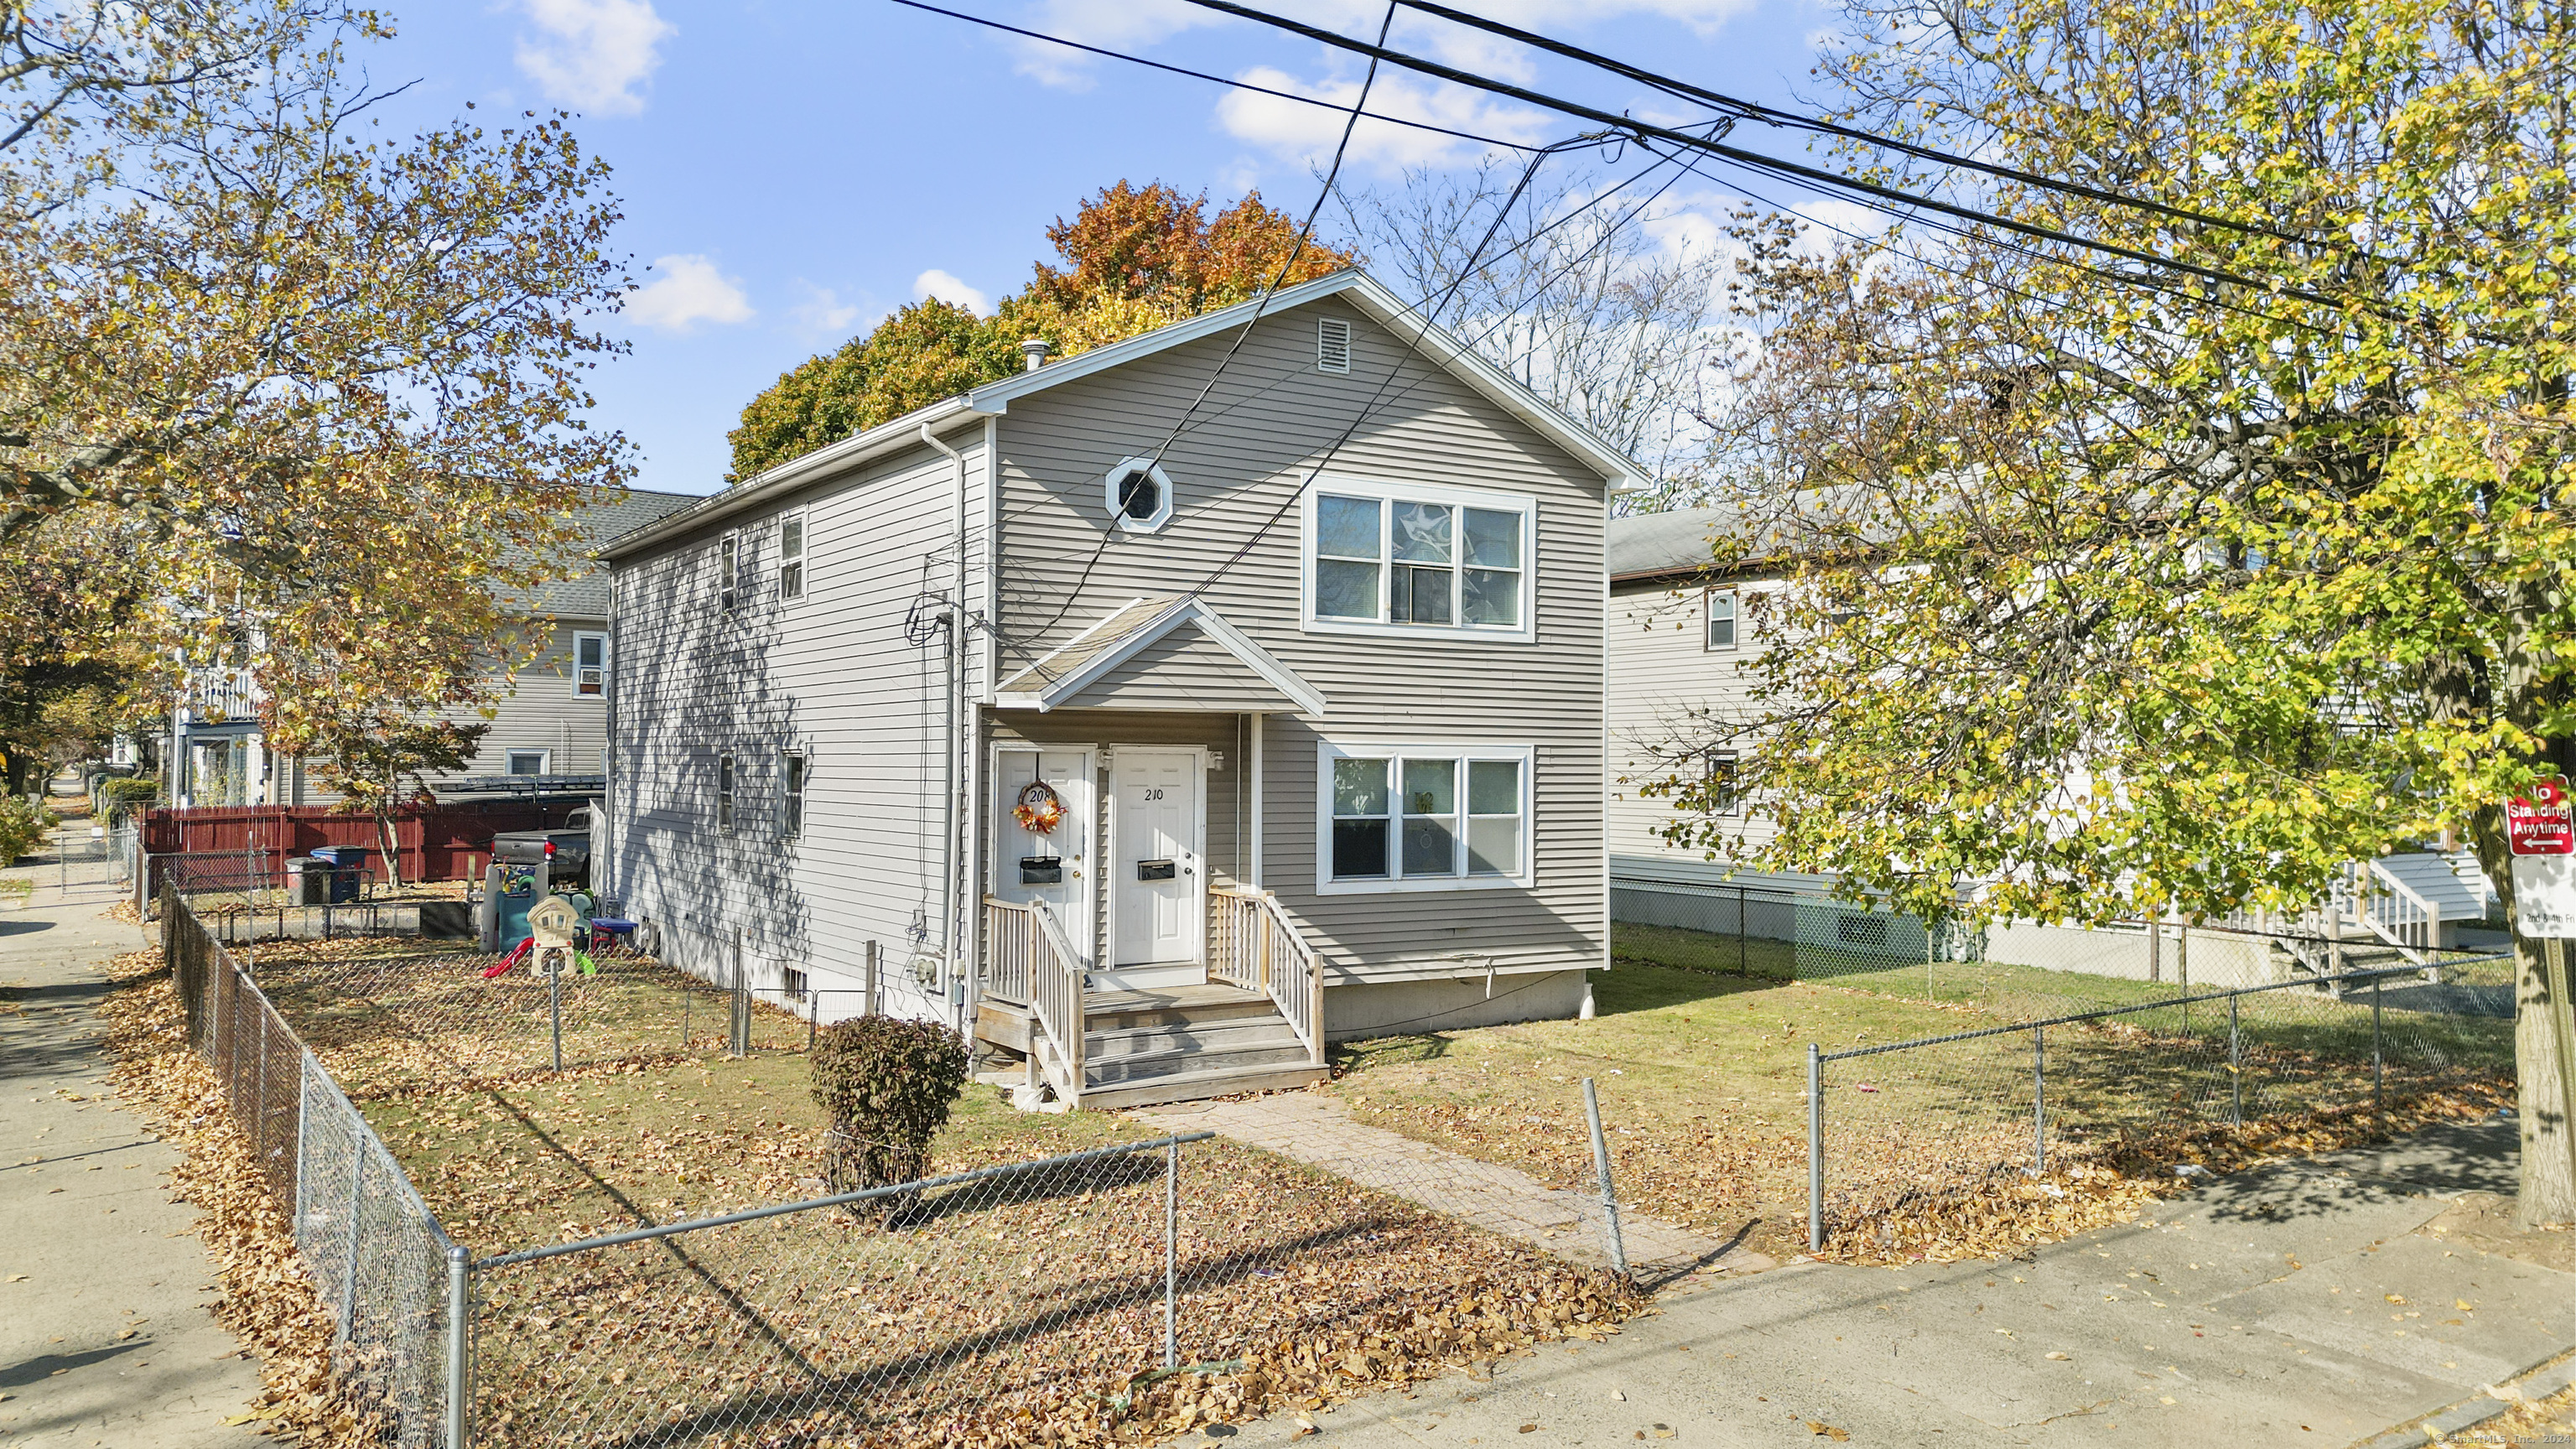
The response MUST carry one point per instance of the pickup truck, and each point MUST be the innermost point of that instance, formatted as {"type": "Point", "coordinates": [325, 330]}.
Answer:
{"type": "Point", "coordinates": [564, 851]}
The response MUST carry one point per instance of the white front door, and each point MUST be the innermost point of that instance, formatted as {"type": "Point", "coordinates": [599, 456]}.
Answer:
{"type": "Point", "coordinates": [1159, 905]}
{"type": "Point", "coordinates": [1050, 865]}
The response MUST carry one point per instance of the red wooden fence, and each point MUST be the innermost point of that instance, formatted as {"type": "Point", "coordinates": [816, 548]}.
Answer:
{"type": "Point", "coordinates": [438, 842]}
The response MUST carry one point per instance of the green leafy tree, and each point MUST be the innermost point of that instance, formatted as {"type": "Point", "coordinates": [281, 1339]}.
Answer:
{"type": "Point", "coordinates": [319, 381]}
{"type": "Point", "coordinates": [376, 765]}
{"type": "Point", "coordinates": [1135, 258]}
{"type": "Point", "coordinates": [2110, 589]}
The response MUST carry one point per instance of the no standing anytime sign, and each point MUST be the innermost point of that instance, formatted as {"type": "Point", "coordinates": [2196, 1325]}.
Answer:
{"type": "Point", "coordinates": [2541, 831]}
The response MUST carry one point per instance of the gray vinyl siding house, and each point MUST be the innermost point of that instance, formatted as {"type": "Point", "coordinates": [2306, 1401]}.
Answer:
{"type": "Point", "coordinates": [1295, 707]}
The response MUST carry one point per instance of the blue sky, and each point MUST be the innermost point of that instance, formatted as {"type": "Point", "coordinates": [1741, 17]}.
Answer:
{"type": "Point", "coordinates": [790, 172]}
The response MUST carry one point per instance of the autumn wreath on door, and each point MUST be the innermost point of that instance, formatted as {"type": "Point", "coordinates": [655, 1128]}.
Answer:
{"type": "Point", "coordinates": [1039, 809]}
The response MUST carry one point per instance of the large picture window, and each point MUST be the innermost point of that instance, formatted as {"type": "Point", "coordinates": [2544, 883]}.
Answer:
{"type": "Point", "coordinates": [1383, 557]}
{"type": "Point", "coordinates": [1424, 817]}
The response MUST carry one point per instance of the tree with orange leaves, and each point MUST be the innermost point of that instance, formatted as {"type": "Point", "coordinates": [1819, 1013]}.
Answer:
{"type": "Point", "coordinates": [1134, 258]}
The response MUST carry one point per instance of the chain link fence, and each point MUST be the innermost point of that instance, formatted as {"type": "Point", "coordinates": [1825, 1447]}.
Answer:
{"type": "Point", "coordinates": [1133, 1290]}
{"type": "Point", "coordinates": [377, 1257]}
{"type": "Point", "coordinates": [1138, 1289]}
{"type": "Point", "coordinates": [1915, 1141]}
{"type": "Point", "coordinates": [415, 1013]}
{"type": "Point", "coordinates": [2018, 968]}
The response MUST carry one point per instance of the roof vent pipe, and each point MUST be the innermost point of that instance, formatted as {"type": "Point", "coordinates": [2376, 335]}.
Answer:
{"type": "Point", "coordinates": [1037, 349]}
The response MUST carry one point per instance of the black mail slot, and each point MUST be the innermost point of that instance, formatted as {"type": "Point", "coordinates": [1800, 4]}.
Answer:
{"type": "Point", "coordinates": [1041, 870]}
{"type": "Point", "coordinates": [1158, 870]}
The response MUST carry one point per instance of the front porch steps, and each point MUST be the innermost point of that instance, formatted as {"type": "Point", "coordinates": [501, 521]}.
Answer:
{"type": "Point", "coordinates": [1184, 1043]}
{"type": "Point", "coordinates": [1143, 1048]}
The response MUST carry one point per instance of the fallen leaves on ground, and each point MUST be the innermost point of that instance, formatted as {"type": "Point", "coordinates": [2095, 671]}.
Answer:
{"type": "Point", "coordinates": [267, 1301]}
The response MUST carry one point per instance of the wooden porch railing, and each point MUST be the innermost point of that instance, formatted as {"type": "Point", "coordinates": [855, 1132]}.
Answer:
{"type": "Point", "coordinates": [1011, 942]}
{"type": "Point", "coordinates": [1252, 945]}
{"type": "Point", "coordinates": [1028, 960]}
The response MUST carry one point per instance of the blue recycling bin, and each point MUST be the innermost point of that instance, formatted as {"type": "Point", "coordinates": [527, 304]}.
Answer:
{"type": "Point", "coordinates": [347, 863]}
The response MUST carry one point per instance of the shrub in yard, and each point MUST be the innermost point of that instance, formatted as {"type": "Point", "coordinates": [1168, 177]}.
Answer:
{"type": "Point", "coordinates": [886, 1085]}
{"type": "Point", "coordinates": [22, 824]}
{"type": "Point", "coordinates": [121, 797]}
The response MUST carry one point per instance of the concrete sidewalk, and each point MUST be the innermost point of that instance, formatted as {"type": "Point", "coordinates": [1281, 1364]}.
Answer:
{"type": "Point", "coordinates": [104, 1334]}
{"type": "Point", "coordinates": [2311, 1304]}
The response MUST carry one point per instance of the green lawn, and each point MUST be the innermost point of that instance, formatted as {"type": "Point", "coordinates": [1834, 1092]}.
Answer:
{"type": "Point", "coordinates": [1701, 1073]}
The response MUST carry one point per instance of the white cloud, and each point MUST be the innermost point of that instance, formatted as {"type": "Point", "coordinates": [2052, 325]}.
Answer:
{"type": "Point", "coordinates": [689, 291]}
{"type": "Point", "coordinates": [936, 283]}
{"type": "Point", "coordinates": [592, 54]}
{"type": "Point", "coordinates": [1307, 134]}
{"type": "Point", "coordinates": [823, 313]}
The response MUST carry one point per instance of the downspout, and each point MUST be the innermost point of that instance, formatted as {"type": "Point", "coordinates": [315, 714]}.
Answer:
{"type": "Point", "coordinates": [952, 936]}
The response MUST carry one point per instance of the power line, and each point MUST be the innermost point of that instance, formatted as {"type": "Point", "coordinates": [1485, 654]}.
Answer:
{"type": "Point", "coordinates": [1816, 176]}
{"type": "Point", "coordinates": [1305, 234]}
{"type": "Point", "coordinates": [1771, 115]}
{"type": "Point", "coordinates": [1215, 79]}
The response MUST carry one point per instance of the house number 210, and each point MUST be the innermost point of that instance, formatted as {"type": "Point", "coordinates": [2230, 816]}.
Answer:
{"type": "Point", "coordinates": [1154, 792]}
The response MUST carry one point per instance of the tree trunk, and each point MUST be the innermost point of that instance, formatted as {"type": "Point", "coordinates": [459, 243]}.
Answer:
{"type": "Point", "coordinates": [392, 848]}
{"type": "Point", "coordinates": [2541, 1068]}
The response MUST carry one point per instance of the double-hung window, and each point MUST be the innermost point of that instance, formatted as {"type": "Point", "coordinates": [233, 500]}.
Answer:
{"type": "Point", "coordinates": [728, 570]}
{"type": "Point", "coordinates": [724, 792]}
{"type": "Point", "coordinates": [791, 555]}
{"type": "Point", "coordinates": [590, 665]}
{"type": "Point", "coordinates": [1721, 619]}
{"type": "Point", "coordinates": [1723, 795]}
{"type": "Point", "coordinates": [1389, 559]}
{"type": "Point", "coordinates": [1424, 817]}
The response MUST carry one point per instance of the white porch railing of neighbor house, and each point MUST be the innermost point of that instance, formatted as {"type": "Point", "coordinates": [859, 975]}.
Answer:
{"type": "Point", "coordinates": [1055, 1003]}
{"type": "Point", "coordinates": [1252, 945]}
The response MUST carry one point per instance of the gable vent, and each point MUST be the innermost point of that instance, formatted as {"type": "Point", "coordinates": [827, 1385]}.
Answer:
{"type": "Point", "coordinates": [1332, 345]}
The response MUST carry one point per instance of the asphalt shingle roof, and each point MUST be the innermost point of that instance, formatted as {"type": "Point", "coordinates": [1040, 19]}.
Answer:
{"type": "Point", "coordinates": [1660, 543]}
{"type": "Point", "coordinates": [585, 595]}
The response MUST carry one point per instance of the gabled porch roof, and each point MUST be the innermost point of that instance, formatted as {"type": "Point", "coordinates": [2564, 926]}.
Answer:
{"type": "Point", "coordinates": [1162, 652]}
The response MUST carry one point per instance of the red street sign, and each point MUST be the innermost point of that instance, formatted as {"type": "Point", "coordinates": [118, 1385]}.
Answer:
{"type": "Point", "coordinates": [2540, 824]}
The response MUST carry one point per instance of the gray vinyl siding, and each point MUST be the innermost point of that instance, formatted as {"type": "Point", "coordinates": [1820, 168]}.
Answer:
{"type": "Point", "coordinates": [1184, 669]}
{"type": "Point", "coordinates": [539, 711]}
{"type": "Point", "coordinates": [1237, 474]}
{"type": "Point", "coordinates": [1663, 681]}
{"type": "Point", "coordinates": [833, 674]}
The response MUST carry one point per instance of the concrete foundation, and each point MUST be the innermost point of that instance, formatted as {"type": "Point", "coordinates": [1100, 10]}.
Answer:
{"type": "Point", "coordinates": [1390, 1007]}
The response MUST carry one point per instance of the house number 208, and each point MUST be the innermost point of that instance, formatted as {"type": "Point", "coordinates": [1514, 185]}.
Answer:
{"type": "Point", "coordinates": [1154, 792]}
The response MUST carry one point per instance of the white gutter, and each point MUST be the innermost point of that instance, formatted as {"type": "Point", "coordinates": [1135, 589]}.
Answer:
{"type": "Point", "coordinates": [952, 938]}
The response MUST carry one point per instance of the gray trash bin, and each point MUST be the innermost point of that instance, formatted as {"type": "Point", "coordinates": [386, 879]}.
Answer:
{"type": "Point", "coordinates": [308, 881]}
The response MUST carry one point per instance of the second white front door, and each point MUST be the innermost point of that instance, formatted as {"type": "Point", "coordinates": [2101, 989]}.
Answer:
{"type": "Point", "coordinates": [1160, 907]}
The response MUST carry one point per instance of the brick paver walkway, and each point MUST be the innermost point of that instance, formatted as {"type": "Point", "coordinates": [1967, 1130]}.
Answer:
{"type": "Point", "coordinates": [1314, 1129]}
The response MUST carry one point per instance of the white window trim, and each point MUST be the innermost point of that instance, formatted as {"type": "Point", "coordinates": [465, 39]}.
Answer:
{"type": "Point", "coordinates": [793, 797]}
{"type": "Point", "coordinates": [729, 560]}
{"type": "Point", "coordinates": [577, 637]}
{"type": "Point", "coordinates": [728, 792]}
{"type": "Point", "coordinates": [545, 760]}
{"type": "Point", "coordinates": [804, 548]}
{"type": "Point", "coordinates": [1152, 522]}
{"type": "Point", "coordinates": [1735, 617]}
{"type": "Point", "coordinates": [1348, 487]}
{"type": "Point", "coordinates": [1326, 752]}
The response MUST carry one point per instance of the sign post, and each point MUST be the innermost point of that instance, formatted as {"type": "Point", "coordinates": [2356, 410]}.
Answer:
{"type": "Point", "coordinates": [2540, 829]}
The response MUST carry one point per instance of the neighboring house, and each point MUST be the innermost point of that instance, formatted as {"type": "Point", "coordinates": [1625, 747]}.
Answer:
{"type": "Point", "coordinates": [550, 719]}
{"type": "Point", "coordinates": [1235, 755]}
{"type": "Point", "coordinates": [1683, 640]}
